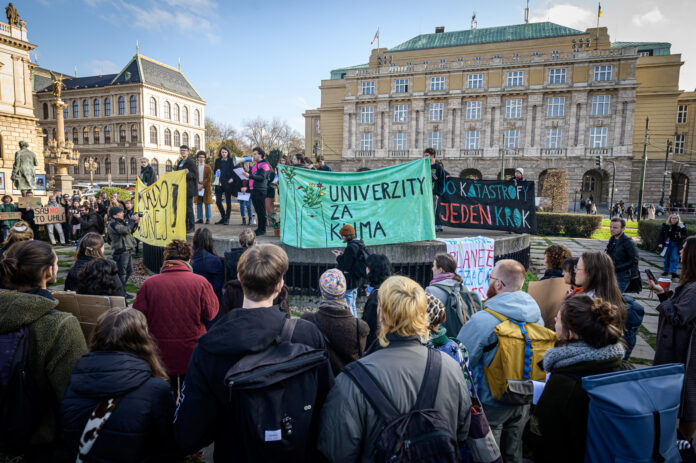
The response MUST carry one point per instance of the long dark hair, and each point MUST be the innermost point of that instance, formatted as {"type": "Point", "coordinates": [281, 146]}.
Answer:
{"type": "Point", "coordinates": [380, 269]}
{"type": "Point", "coordinates": [688, 261]}
{"type": "Point", "coordinates": [24, 263]}
{"type": "Point", "coordinates": [595, 321]}
{"type": "Point", "coordinates": [601, 278]}
{"type": "Point", "coordinates": [98, 278]}
{"type": "Point", "coordinates": [203, 239]}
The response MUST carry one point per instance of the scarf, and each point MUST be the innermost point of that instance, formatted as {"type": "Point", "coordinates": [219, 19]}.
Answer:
{"type": "Point", "coordinates": [440, 338]}
{"type": "Point", "coordinates": [442, 277]}
{"type": "Point", "coordinates": [579, 352]}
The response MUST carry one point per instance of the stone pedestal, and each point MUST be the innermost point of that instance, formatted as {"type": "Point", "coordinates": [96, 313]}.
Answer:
{"type": "Point", "coordinates": [63, 182]}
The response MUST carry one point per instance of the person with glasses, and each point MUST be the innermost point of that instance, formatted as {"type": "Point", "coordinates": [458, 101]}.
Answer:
{"type": "Point", "coordinates": [506, 298]}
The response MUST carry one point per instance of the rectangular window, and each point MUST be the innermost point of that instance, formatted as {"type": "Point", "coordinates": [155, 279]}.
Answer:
{"type": "Point", "coordinates": [401, 86]}
{"type": "Point", "coordinates": [437, 111]}
{"type": "Point", "coordinates": [472, 139]}
{"type": "Point", "coordinates": [365, 141]}
{"type": "Point", "coordinates": [598, 137]}
{"type": "Point", "coordinates": [553, 138]}
{"type": "Point", "coordinates": [512, 138]}
{"type": "Point", "coordinates": [682, 113]}
{"type": "Point", "coordinates": [367, 114]}
{"type": "Point", "coordinates": [474, 81]}
{"type": "Point", "coordinates": [473, 110]}
{"type": "Point", "coordinates": [515, 57]}
{"type": "Point", "coordinates": [556, 107]}
{"type": "Point", "coordinates": [400, 141]}
{"type": "Point", "coordinates": [513, 109]}
{"type": "Point", "coordinates": [600, 105]}
{"type": "Point", "coordinates": [437, 83]}
{"type": "Point", "coordinates": [435, 140]}
{"type": "Point", "coordinates": [401, 113]}
{"type": "Point", "coordinates": [515, 78]}
{"type": "Point", "coordinates": [367, 88]}
{"type": "Point", "coordinates": [679, 143]}
{"type": "Point", "coordinates": [557, 76]}
{"type": "Point", "coordinates": [602, 73]}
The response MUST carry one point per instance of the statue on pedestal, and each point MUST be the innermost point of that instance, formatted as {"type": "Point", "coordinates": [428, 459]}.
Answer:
{"type": "Point", "coordinates": [12, 15]}
{"type": "Point", "coordinates": [23, 172]}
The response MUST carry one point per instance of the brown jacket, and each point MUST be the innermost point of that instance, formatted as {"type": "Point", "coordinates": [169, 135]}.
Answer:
{"type": "Point", "coordinates": [207, 185]}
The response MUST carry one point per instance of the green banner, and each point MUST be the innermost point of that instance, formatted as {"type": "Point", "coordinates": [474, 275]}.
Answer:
{"type": "Point", "coordinates": [385, 206]}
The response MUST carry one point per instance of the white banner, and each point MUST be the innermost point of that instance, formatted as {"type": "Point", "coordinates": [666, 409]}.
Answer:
{"type": "Point", "coordinates": [475, 260]}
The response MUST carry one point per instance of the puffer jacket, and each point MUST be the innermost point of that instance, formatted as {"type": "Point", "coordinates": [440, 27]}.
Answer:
{"type": "Point", "coordinates": [121, 235]}
{"type": "Point", "coordinates": [349, 425]}
{"type": "Point", "coordinates": [55, 343]}
{"type": "Point", "coordinates": [210, 267]}
{"type": "Point", "coordinates": [140, 427]}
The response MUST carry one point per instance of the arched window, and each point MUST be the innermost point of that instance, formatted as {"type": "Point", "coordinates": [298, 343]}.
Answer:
{"type": "Point", "coordinates": [122, 133]}
{"type": "Point", "coordinates": [185, 139]}
{"type": "Point", "coordinates": [184, 115]}
{"type": "Point", "coordinates": [153, 106]}
{"type": "Point", "coordinates": [168, 166]}
{"type": "Point", "coordinates": [85, 108]}
{"type": "Point", "coordinates": [155, 166]}
{"type": "Point", "coordinates": [133, 104]}
{"type": "Point", "coordinates": [96, 107]}
{"type": "Point", "coordinates": [153, 134]}
{"type": "Point", "coordinates": [45, 137]}
{"type": "Point", "coordinates": [45, 110]}
{"type": "Point", "coordinates": [107, 106]}
{"type": "Point", "coordinates": [167, 110]}
{"type": "Point", "coordinates": [65, 112]}
{"type": "Point", "coordinates": [75, 138]}
{"type": "Point", "coordinates": [121, 106]}
{"type": "Point", "coordinates": [197, 118]}
{"type": "Point", "coordinates": [197, 142]}
{"type": "Point", "coordinates": [175, 116]}
{"type": "Point", "coordinates": [134, 133]}
{"type": "Point", "coordinates": [134, 166]}
{"type": "Point", "coordinates": [75, 113]}
{"type": "Point", "coordinates": [97, 139]}
{"type": "Point", "coordinates": [85, 136]}
{"type": "Point", "coordinates": [107, 165]}
{"type": "Point", "coordinates": [167, 137]}
{"type": "Point", "coordinates": [177, 138]}
{"type": "Point", "coordinates": [122, 165]}
{"type": "Point", "coordinates": [107, 134]}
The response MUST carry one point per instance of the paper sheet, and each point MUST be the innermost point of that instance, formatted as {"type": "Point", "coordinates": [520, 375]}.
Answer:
{"type": "Point", "coordinates": [240, 173]}
{"type": "Point", "coordinates": [243, 196]}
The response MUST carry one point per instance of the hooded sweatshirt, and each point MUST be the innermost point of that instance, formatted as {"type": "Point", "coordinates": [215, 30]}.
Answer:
{"type": "Point", "coordinates": [478, 333]}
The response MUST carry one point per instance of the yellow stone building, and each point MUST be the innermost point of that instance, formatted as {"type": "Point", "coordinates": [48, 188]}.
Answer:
{"type": "Point", "coordinates": [536, 96]}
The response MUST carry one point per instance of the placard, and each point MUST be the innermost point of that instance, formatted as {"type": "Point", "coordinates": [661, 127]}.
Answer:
{"type": "Point", "coordinates": [49, 214]}
{"type": "Point", "coordinates": [10, 216]}
{"type": "Point", "coordinates": [163, 205]}
{"type": "Point", "coordinates": [27, 202]}
{"type": "Point", "coordinates": [475, 259]}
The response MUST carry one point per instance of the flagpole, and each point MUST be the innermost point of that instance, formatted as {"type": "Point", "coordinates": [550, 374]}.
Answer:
{"type": "Point", "coordinates": [378, 37]}
{"type": "Point", "coordinates": [596, 44]}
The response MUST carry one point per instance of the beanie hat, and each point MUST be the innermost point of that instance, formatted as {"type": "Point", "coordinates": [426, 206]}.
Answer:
{"type": "Point", "coordinates": [520, 170]}
{"type": "Point", "coordinates": [114, 210]}
{"type": "Point", "coordinates": [347, 230]}
{"type": "Point", "coordinates": [332, 284]}
{"type": "Point", "coordinates": [434, 307]}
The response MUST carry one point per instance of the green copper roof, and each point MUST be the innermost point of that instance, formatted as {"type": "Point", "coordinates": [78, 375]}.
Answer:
{"type": "Point", "coordinates": [341, 72]}
{"type": "Point", "coordinates": [657, 48]}
{"type": "Point", "coordinates": [530, 31]}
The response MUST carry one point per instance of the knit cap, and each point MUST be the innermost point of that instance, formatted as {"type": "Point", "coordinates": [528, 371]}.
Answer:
{"type": "Point", "coordinates": [347, 230]}
{"type": "Point", "coordinates": [332, 284]}
{"type": "Point", "coordinates": [434, 307]}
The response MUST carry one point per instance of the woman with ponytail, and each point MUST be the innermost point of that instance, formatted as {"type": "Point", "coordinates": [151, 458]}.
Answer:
{"type": "Point", "coordinates": [589, 343]}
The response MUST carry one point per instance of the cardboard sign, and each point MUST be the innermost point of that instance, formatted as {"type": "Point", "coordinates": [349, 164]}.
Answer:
{"type": "Point", "coordinates": [548, 294]}
{"type": "Point", "coordinates": [86, 309]}
{"type": "Point", "coordinates": [25, 202]}
{"type": "Point", "coordinates": [49, 214]}
{"type": "Point", "coordinates": [10, 215]}
{"type": "Point", "coordinates": [475, 258]}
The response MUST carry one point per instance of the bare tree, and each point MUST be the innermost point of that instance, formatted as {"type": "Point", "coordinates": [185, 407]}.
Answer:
{"type": "Point", "coordinates": [272, 134]}
{"type": "Point", "coordinates": [218, 133]}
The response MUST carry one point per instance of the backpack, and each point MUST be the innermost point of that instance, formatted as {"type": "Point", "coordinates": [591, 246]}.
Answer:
{"type": "Point", "coordinates": [461, 304]}
{"type": "Point", "coordinates": [359, 269]}
{"type": "Point", "coordinates": [273, 394]}
{"type": "Point", "coordinates": [521, 347]}
{"type": "Point", "coordinates": [421, 434]}
{"type": "Point", "coordinates": [633, 414]}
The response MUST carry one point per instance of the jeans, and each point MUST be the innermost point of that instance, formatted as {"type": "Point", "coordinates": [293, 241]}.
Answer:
{"type": "Point", "coordinates": [507, 425]}
{"type": "Point", "coordinates": [245, 205]}
{"type": "Point", "coordinates": [623, 283]}
{"type": "Point", "coordinates": [672, 258]}
{"type": "Point", "coordinates": [124, 262]}
{"type": "Point", "coordinates": [199, 210]}
{"type": "Point", "coordinates": [57, 227]}
{"type": "Point", "coordinates": [258, 199]}
{"type": "Point", "coordinates": [189, 214]}
{"type": "Point", "coordinates": [350, 297]}
{"type": "Point", "coordinates": [223, 190]}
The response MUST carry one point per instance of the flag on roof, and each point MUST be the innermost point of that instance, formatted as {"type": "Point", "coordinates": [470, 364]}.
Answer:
{"type": "Point", "coordinates": [599, 11]}
{"type": "Point", "coordinates": [375, 37]}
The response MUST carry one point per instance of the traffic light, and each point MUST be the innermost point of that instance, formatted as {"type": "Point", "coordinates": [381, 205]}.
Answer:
{"type": "Point", "coordinates": [598, 161]}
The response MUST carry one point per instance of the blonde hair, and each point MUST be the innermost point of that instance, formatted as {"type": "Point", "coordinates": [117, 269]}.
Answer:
{"type": "Point", "coordinates": [669, 219]}
{"type": "Point", "coordinates": [403, 305]}
{"type": "Point", "coordinates": [15, 235]}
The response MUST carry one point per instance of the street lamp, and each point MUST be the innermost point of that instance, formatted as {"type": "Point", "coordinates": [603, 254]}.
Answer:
{"type": "Point", "coordinates": [664, 174]}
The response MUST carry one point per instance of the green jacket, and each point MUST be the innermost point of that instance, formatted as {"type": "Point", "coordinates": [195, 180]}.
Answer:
{"type": "Point", "coordinates": [121, 235]}
{"type": "Point", "coordinates": [11, 207]}
{"type": "Point", "coordinates": [55, 343]}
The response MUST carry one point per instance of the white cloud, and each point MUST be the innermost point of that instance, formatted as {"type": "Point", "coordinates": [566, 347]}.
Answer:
{"type": "Point", "coordinates": [567, 15]}
{"type": "Point", "coordinates": [651, 17]}
{"type": "Point", "coordinates": [100, 67]}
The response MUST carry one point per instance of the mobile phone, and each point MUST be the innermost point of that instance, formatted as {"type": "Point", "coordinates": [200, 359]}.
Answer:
{"type": "Point", "coordinates": [650, 275]}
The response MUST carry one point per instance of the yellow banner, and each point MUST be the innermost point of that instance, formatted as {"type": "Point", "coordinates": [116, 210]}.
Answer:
{"type": "Point", "coordinates": [163, 205]}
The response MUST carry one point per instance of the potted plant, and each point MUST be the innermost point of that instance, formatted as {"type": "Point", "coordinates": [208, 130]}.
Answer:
{"type": "Point", "coordinates": [275, 223]}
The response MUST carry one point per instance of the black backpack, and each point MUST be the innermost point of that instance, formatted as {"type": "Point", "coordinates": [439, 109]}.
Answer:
{"type": "Point", "coordinates": [420, 435]}
{"type": "Point", "coordinates": [359, 270]}
{"type": "Point", "coordinates": [273, 394]}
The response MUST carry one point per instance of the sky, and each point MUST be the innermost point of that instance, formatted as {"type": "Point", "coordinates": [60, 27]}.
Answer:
{"type": "Point", "coordinates": [267, 57]}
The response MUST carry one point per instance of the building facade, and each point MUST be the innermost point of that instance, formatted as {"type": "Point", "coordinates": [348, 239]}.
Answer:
{"type": "Point", "coordinates": [147, 110]}
{"type": "Point", "coordinates": [537, 96]}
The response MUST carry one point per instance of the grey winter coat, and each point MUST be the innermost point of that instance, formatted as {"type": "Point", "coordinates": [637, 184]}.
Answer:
{"type": "Point", "coordinates": [349, 425]}
{"type": "Point", "coordinates": [121, 235]}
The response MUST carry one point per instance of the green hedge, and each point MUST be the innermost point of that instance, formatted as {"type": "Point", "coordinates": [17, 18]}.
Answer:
{"type": "Point", "coordinates": [574, 225]}
{"type": "Point", "coordinates": [123, 195]}
{"type": "Point", "coordinates": [649, 231]}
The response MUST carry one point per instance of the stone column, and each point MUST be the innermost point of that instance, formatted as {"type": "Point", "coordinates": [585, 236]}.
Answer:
{"type": "Point", "coordinates": [493, 103]}
{"type": "Point", "coordinates": [383, 111]}
{"type": "Point", "coordinates": [455, 106]}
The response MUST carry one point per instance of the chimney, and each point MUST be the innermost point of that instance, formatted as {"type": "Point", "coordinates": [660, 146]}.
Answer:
{"type": "Point", "coordinates": [439, 29]}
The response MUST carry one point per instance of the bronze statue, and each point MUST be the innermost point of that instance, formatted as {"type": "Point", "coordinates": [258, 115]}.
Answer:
{"type": "Point", "coordinates": [12, 15]}
{"type": "Point", "coordinates": [58, 84]}
{"type": "Point", "coordinates": [23, 172]}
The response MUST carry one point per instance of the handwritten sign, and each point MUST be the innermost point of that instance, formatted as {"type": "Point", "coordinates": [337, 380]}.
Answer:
{"type": "Point", "coordinates": [489, 204]}
{"type": "Point", "coordinates": [27, 202]}
{"type": "Point", "coordinates": [475, 259]}
{"type": "Point", "coordinates": [163, 205]}
{"type": "Point", "coordinates": [49, 214]}
{"type": "Point", "coordinates": [10, 215]}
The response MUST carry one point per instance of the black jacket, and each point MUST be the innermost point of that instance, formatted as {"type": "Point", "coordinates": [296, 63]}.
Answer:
{"type": "Point", "coordinates": [439, 177]}
{"type": "Point", "coordinates": [88, 223]}
{"type": "Point", "coordinates": [140, 427]}
{"type": "Point", "coordinates": [262, 178]}
{"type": "Point", "coordinates": [624, 253]}
{"type": "Point", "coordinates": [188, 163]}
{"type": "Point", "coordinates": [71, 279]}
{"type": "Point", "coordinates": [148, 175]}
{"type": "Point", "coordinates": [371, 317]}
{"type": "Point", "coordinates": [204, 414]}
{"type": "Point", "coordinates": [675, 233]}
{"type": "Point", "coordinates": [347, 261]}
{"type": "Point", "coordinates": [226, 169]}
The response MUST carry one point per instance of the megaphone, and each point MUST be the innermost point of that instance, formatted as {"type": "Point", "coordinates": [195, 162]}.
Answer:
{"type": "Point", "coordinates": [240, 160]}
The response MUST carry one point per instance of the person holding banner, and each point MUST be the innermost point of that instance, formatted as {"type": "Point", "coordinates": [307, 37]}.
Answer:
{"type": "Point", "coordinates": [439, 177]}
{"type": "Point", "coordinates": [58, 227]}
{"type": "Point", "coordinates": [147, 173]}
{"type": "Point", "coordinates": [7, 206]}
{"type": "Point", "coordinates": [187, 165]}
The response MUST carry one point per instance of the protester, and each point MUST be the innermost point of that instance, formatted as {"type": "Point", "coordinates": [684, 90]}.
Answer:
{"type": "Point", "coordinates": [87, 221]}
{"type": "Point", "coordinates": [554, 256]}
{"type": "Point", "coordinates": [123, 373]}
{"type": "Point", "coordinates": [245, 205]}
{"type": "Point", "coordinates": [67, 228]}
{"type": "Point", "coordinates": [55, 343]}
{"type": "Point", "coordinates": [57, 227]}
{"type": "Point", "coordinates": [589, 344]}
{"type": "Point", "coordinates": [352, 262]}
{"type": "Point", "coordinates": [205, 262]}
{"type": "Point", "coordinates": [122, 242]}
{"type": "Point", "coordinates": [307, 161]}
{"type": "Point", "coordinates": [188, 166]}
{"type": "Point", "coordinates": [378, 269]}
{"type": "Point", "coordinates": [7, 206]}
{"type": "Point", "coordinates": [630, 212]}
{"type": "Point", "coordinates": [245, 239]}
{"type": "Point", "coordinates": [20, 231]}
{"type": "Point", "coordinates": [74, 224]}
{"type": "Point", "coordinates": [671, 239]}
{"type": "Point", "coordinates": [230, 183]}
{"type": "Point", "coordinates": [147, 173]}
{"type": "Point", "coordinates": [568, 267]}
{"type": "Point", "coordinates": [177, 303]}
{"type": "Point", "coordinates": [506, 298]}
{"type": "Point", "coordinates": [28, 215]}
{"type": "Point", "coordinates": [439, 177]}
{"type": "Point", "coordinates": [298, 160]}
{"type": "Point", "coordinates": [675, 331]}
{"type": "Point", "coordinates": [132, 219]}
{"type": "Point", "coordinates": [344, 334]}
{"type": "Point", "coordinates": [233, 298]}
{"type": "Point", "coordinates": [99, 277]}
{"type": "Point", "coordinates": [623, 253]}
{"type": "Point", "coordinates": [260, 178]}
{"type": "Point", "coordinates": [115, 201]}
{"type": "Point", "coordinates": [321, 164]}
{"type": "Point", "coordinates": [519, 175]}
{"type": "Point", "coordinates": [204, 188]}
{"type": "Point", "coordinates": [205, 413]}
{"type": "Point", "coordinates": [91, 247]}
{"type": "Point", "coordinates": [350, 426]}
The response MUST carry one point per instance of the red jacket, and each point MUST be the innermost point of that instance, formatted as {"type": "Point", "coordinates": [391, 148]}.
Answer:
{"type": "Point", "coordinates": [176, 303]}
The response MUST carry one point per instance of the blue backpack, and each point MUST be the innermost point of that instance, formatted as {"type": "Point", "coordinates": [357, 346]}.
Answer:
{"type": "Point", "coordinates": [633, 415]}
